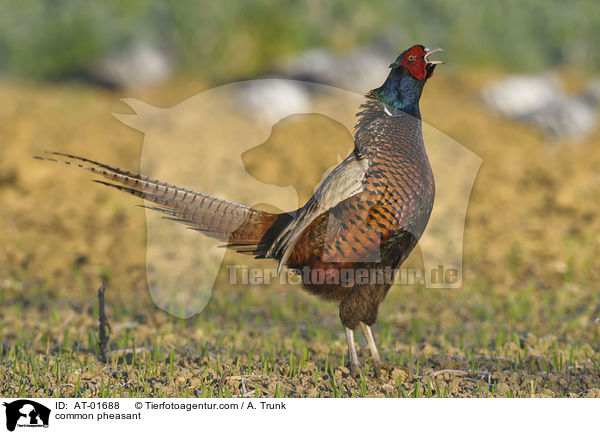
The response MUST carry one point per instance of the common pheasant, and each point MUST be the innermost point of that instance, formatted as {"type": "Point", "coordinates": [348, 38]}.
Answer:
{"type": "Point", "coordinates": [358, 227]}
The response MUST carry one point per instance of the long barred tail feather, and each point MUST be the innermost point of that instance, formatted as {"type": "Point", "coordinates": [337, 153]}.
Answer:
{"type": "Point", "coordinates": [245, 229]}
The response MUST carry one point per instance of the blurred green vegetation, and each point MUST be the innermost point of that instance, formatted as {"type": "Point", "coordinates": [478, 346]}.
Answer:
{"type": "Point", "coordinates": [49, 39]}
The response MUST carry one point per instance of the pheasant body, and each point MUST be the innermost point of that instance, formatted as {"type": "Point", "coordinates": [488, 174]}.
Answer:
{"type": "Point", "coordinates": [366, 216]}
{"type": "Point", "coordinates": [375, 229]}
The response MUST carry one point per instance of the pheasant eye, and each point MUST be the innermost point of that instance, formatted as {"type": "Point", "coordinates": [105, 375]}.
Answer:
{"type": "Point", "coordinates": [412, 58]}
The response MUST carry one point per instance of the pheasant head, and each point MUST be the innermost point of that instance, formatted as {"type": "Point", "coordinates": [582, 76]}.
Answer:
{"type": "Point", "coordinates": [403, 87]}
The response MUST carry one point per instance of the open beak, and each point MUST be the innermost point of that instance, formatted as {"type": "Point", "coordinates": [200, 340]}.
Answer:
{"type": "Point", "coordinates": [430, 51]}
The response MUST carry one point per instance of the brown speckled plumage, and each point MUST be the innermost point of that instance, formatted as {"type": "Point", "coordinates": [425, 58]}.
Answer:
{"type": "Point", "coordinates": [378, 227]}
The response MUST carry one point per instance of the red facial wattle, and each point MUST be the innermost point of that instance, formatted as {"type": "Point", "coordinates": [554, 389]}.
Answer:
{"type": "Point", "coordinates": [414, 61]}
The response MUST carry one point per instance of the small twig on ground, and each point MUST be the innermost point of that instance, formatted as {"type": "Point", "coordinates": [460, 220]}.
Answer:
{"type": "Point", "coordinates": [103, 326]}
{"type": "Point", "coordinates": [223, 377]}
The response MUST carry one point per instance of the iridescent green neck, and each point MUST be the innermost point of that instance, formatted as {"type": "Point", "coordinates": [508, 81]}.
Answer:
{"type": "Point", "coordinates": [401, 92]}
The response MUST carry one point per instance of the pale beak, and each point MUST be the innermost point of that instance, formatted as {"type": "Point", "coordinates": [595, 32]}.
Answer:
{"type": "Point", "coordinates": [428, 52]}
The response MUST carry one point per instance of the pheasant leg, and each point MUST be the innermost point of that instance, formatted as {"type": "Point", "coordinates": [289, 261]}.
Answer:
{"type": "Point", "coordinates": [377, 362]}
{"type": "Point", "coordinates": [352, 355]}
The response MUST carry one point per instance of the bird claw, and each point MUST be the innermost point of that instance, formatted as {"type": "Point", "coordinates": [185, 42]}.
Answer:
{"type": "Point", "coordinates": [380, 365]}
{"type": "Point", "coordinates": [355, 370]}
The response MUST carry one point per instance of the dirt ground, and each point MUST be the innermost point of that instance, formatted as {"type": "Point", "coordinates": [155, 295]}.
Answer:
{"type": "Point", "coordinates": [526, 321]}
